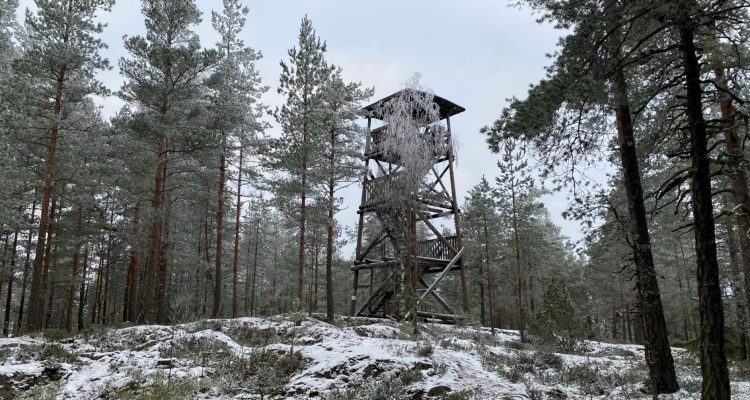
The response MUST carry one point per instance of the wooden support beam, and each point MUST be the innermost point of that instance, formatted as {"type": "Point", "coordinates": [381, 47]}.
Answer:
{"type": "Point", "coordinates": [437, 280]}
{"type": "Point", "coordinates": [360, 227]}
{"type": "Point", "coordinates": [378, 264]}
{"type": "Point", "coordinates": [375, 294]}
{"type": "Point", "coordinates": [434, 230]}
{"type": "Point", "coordinates": [436, 204]}
{"type": "Point", "coordinates": [451, 158]}
{"type": "Point", "coordinates": [437, 297]}
{"type": "Point", "coordinates": [379, 238]}
{"type": "Point", "coordinates": [442, 185]}
{"type": "Point", "coordinates": [444, 317]}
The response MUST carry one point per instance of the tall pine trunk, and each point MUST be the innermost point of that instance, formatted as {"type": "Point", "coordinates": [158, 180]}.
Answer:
{"type": "Point", "coordinates": [255, 266]}
{"type": "Point", "coordinates": [82, 290]}
{"type": "Point", "coordinates": [329, 228]}
{"type": "Point", "coordinates": [735, 280]}
{"type": "Point", "coordinates": [519, 269]}
{"type": "Point", "coordinates": [713, 357]}
{"type": "Point", "coordinates": [9, 295]}
{"type": "Point", "coordinates": [302, 220]}
{"type": "Point", "coordinates": [235, 252]}
{"type": "Point", "coordinates": [735, 170]}
{"type": "Point", "coordinates": [131, 303]}
{"type": "Point", "coordinates": [26, 267]}
{"type": "Point", "coordinates": [73, 273]}
{"type": "Point", "coordinates": [35, 320]}
{"type": "Point", "coordinates": [656, 345]}
{"type": "Point", "coordinates": [156, 236]}
{"type": "Point", "coordinates": [219, 228]}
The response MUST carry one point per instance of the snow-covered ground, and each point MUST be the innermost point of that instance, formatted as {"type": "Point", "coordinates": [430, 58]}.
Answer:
{"type": "Point", "coordinates": [356, 359]}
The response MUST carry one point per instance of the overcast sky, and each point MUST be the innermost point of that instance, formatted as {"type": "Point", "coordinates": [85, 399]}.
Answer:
{"type": "Point", "coordinates": [476, 53]}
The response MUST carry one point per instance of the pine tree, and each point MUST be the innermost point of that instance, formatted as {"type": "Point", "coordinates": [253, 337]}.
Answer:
{"type": "Point", "coordinates": [342, 152]}
{"type": "Point", "coordinates": [579, 83]}
{"type": "Point", "coordinates": [483, 232]}
{"type": "Point", "coordinates": [233, 103]}
{"type": "Point", "coordinates": [514, 183]}
{"type": "Point", "coordinates": [163, 78]}
{"type": "Point", "coordinates": [61, 56]}
{"type": "Point", "coordinates": [302, 119]}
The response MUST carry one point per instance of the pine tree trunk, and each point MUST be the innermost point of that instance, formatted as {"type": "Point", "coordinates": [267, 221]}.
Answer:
{"type": "Point", "coordinates": [235, 252]}
{"type": "Point", "coordinates": [483, 275]}
{"type": "Point", "coordinates": [735, 280]}
{"type": "Point", "coordinates": [735, 170]}
{"type": "Point", "coordinates": [6, 244]}
{"type": "Point", "coordinates": [162, 316]}
{"type": "Point", "coordinates": [9, 295]}
{"type": "Point", "coordinates": [255, 266]}
{"type": "Point", "coordinates": [97, 292]}
{"type": "Point", "coordinates": [519, 270]}
{"type": "Point", "coordinates": [82, 291]}
{"type": "Point", "coordinates": [302, 220]}
{"type": "Point", "coordinates": [35, 319]}
{"type": "Point", "coordinates": [713, 357]}
{"type": "Point", "coordinates": [657, 351]}
{"type": "Point", "coordinates": [219, 230]}
{"type": "Point", "coordinates": [52, 286]}
{"type": "Point", "coordinates": [155, 237]}
{"type": "Point", "coordinates": [131, 304]}
{"type": "Point", "coordinates": [329, 230]}
{"type": "Point", "coordinates": [25, 278]}
{"type": "Point", "coordinates": [73, 274]}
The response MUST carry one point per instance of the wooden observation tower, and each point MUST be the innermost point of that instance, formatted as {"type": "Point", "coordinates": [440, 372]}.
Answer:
{"type": "Point", "coordinates": [431, 255]}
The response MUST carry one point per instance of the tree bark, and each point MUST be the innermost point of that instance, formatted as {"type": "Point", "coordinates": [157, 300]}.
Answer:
{"type": "Point", "coordinates": [235, 252]}
{"type": "Point", "coordinates": [82, 291]}
{"type": "Point", "coordinates": [26, 266]}
{"type": "Point", "coordinates": [219, 229]}
{"type": "Point", "coordinates": [519, 270]}
{"type": "Point", "coordinates": [255, 265]}
{"type": "Point", "coordinates": [131, 304]}
{"type": "Point", "coordinates": [735, 280]}
{"type": "Point", "coordinates": [9, 295]}
{"type": "Point", "coordinates": [656, 345]}
{"type": "Point", "coordinates": [46, 257]}
{"type": "Point", "coordinates": [713, 357]}
{"type": "Point", "coordinates": [329, 228]}
{"type": "Point", "coordinates": [73, 273]}
{"type": "Point", "coordinates": [735, 170]}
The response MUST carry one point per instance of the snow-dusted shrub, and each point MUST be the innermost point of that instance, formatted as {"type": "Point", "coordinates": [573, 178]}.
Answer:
{"type": "Point", "coordinates": [390, 385]}
{"type": "Point", "coordinates": [49, 391]}
{"type": "Point", "coordinates": [160, 386]}
{"type": "Point", "coordinates": [260, 372]}
{"type": "Point", "coordinates": [555, 323]}
{"type": "Point", "coordinates": [544, 360]}
{"type": "Point", "coordinates": [53, 352]}
{"type": "Point", "coordinates": [424, 348]}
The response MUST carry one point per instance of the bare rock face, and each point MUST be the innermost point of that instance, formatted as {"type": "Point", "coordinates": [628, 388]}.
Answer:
{"type": "Point", "coordinates": [13, 384]}
{"type": "Point", "coordinates": [440, 390]}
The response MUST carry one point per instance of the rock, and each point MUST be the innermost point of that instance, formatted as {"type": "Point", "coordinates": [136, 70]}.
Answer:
{"type": "Point", "coordinates": [422, 366]}
{"type": "Point", "coordinates": [376, 368]}
{"type": "Point", "coordinates": [440, 390]}
{"type": "Point", "coordinates": [165, 363]}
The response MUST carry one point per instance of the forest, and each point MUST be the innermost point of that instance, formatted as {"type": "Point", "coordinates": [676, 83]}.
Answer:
{"type": "Point", "coordinates": [197, 201]}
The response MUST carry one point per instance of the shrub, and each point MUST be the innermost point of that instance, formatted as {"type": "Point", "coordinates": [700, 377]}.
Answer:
{"type": "Point", "coordinates": [543, 360]}
{"type": "Point", "coordinates": [555, 323]}
{"type": "Point", "coordinates": [424, 349]}
{"type": "Point", "coordinates": [53, 352]}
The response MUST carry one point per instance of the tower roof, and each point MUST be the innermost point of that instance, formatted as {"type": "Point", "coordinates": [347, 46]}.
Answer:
{"type": "Point", "coordinates": [446, 107]}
